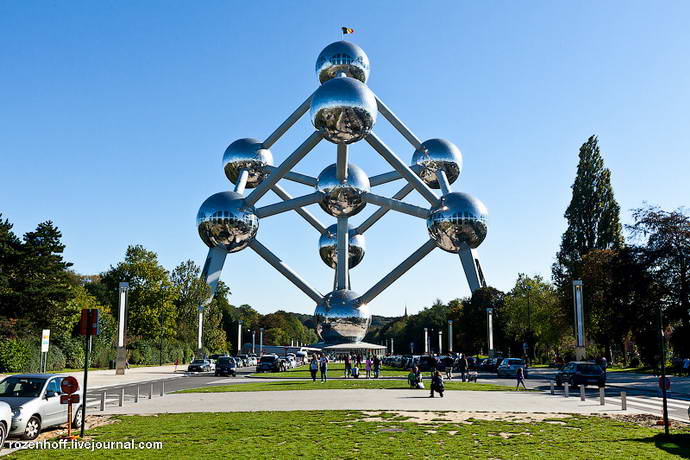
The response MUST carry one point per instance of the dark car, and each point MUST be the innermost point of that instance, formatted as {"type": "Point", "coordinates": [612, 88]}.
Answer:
{"type": "Point", "coordinates": [226, 366]}
{"type": "Point", "coordinates": [201, 365]}
{"type": "Point", "coordinates": [427, 363]}
{"type": "Point", "coordinates": [269, 363]}
{"type": "Point", "coordinates": [488, 365]}
{"type": "Point", "coordinates": [581, 373]}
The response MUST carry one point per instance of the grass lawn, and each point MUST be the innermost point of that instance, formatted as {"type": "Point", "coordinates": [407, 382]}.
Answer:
{"type": "Point", "coordinates": [334, 370]}
{"type": "Point", "coordinates": [338, 385]}
{"type": "Point", "coordinates": [355, 435]}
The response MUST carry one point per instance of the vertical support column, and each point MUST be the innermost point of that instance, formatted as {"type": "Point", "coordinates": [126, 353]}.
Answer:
{"type": "Point", "coordinates": [341, 163]}
{"type": "Point", "coordinates": [254, 342]}
{"type": "Point", "coordinates": [579, 321]}
{"type": "Point", "coordinates": [122, 297]}
{"type": "Point", "coordinates": [342, 268]}
{"type": "Point", "coordinates": [239, 337]}
{"type": "Point", "coordinates": [261, 341]}
{"type": "Point", "coordinates": [426, 341]}
{"type": "Point", "coordinates": [470, 263]}
{"type": "Point", "coordinates": [440, 342]}
{"type": "Point", "coordinates": [490, 331]}
{"type": "Point", "coordinates": [450, 336]}
{"type": "Point", "coordinates": [392, 352]}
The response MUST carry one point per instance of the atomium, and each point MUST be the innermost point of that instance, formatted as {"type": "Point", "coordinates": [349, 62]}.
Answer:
{"type": "Point", "coordinates": [328, 247]}
{"type": "Point", "coordinates": [248, 154]}
{"type": "Point", "coordinates": [342, 198]}
{"type": "Point", "coordinates": [343, 110]}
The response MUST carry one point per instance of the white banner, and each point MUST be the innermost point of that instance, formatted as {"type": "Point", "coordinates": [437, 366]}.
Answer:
{"type": "Point", "coordinates": [45, 340]}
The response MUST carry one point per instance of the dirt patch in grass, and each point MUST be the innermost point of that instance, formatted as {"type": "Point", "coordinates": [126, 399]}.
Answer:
{"type": "Point", "coordinates": [433, 417]}
{"type": "Point", "coordinates": [646, 420]}
{"type": "Point", "coordinates": [92, 421]}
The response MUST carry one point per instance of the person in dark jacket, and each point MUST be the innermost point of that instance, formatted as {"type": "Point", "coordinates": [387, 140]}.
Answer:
{"type": "Point", "coordinates": [436, 384]}
{"type": "Point", "coordinates": [462, 367]}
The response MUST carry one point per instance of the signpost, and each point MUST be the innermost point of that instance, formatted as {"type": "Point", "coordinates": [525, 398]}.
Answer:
{"type": "Point", "coordinates": [45, 344]}
{"type": "Point", "coordinates": [69, 386]}
{"type": "Point", "coordinates": [88, 327]}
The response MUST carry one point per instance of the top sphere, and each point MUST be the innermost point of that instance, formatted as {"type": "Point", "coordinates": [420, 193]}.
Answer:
{"type": "Point", "coordinates": [438, 154]}
{"type": "Point", "coordinates": [247, 154]}
{"type": "Point", "coordinates": [224, 219]}
{"type": "Point", "coordinates": [457, 222]}
{"type": "Point", "coordinates": [343, 57]}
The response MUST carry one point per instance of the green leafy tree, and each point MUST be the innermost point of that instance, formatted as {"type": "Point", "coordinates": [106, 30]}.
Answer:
{"type": "Point", "coordinates": [192, 292]}
{"type": "Point", "coordinates": [10, 251]}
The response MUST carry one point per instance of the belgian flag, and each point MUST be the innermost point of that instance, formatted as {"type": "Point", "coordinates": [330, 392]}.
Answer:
{"type": "Point", "coordinates": [347, 30]}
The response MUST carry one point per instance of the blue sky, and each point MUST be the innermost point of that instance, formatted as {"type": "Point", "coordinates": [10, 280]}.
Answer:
{"type": "Point", "coordinates": [114, 117]}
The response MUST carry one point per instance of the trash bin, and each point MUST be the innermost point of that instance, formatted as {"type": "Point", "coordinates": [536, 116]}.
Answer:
{"type": "Point", "coordinates": [111, 364]}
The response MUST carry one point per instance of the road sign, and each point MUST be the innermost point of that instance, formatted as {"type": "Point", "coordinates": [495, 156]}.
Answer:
{"type": "Point", "coordinates": [69, 385]}
{"type": "Point", "coordinates": [88, 324]}
{"type": "Point", "coordinates": [45, 340]}
{"type": "Point", "coordinates": [69, 399]}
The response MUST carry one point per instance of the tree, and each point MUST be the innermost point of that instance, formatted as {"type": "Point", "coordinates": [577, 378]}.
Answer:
{"type": "Point", "coordinates": [10, 248]}
{"type": "Point", "coordinates": [192, 291]}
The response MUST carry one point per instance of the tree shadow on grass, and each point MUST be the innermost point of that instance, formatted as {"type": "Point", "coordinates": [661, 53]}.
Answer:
{"type": "Point", "coordinates": [676, 444]}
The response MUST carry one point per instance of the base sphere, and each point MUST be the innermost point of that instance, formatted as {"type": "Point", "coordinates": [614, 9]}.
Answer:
{"type": "Point", "coordinates": [340, 318]}
{"type": "Point", "coordinates": [458, 221]}
{"type": "Point", "coordinates": [225, 220]}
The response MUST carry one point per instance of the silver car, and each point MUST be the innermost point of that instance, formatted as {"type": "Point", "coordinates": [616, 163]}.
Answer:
{"type": "Point", "coordinates": [35, 403]}
{"type": "Point", "coordinates": [5, 422]}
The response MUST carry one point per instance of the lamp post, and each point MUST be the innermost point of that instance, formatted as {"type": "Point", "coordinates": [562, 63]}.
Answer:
{"type": "Point", "coordinates": [490, 331]}
{"type": "Point", "coordinates": [160, 356]}
{"type": "Point", "coordinates": [662, 346]}
{"type": "Point", "coordinates": [254, 342]}
{"type": "Point", "coordinates": [450, 336]}
{"type": "Point", "coordinates": [239, 336]}
{"type": "Point", "coordinates": [261, 341]}
{"type": "Point", "coordinates": [426, 341]}
{"type": "Point", "coordinates": [528, 339]}
{"type": "Point", "coordinates": [440, 341]}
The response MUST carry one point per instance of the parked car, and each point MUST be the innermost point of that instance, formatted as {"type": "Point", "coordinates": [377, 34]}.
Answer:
{"type": "Point", "coordinates": [201, 365]}
{"type": "Point", "coordinates": [226, 366]}
{"type": "Point", "coordinates": [509, 367]}
{"type": "Point", "coordinates": [488, 365]}
{"type": "Point", "coordinates": [581, 373]}
{"type": "Point", "coordinates": [426, 363]}
{"type": "Point", "coordinates": [35, 403]}
{"type": "Point", "coordinates": [5, 422]}
{"type": "Point", "coordinates": [269, 363]}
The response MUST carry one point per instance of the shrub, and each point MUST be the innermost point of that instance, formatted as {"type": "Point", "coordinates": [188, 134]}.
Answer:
{"type": "Point", "coordinates": [15, 355]}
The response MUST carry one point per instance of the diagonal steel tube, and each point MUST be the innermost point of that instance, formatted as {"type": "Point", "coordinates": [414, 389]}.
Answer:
{"type": "Point", "coordinates": [313, 221]}
{"type": "Point", "coordinates": [284, 167]}
{"type": "Point", "coordinates": [443, 181]}
{"type": "Point", "coordinates": [343, 250]}
{"type": "Point", "coordinates": [398, 271]}
{"type": "Point", "coordinates": [341, 163]}
{"type": "Point", "coordinates": [380, 212]}
{"type": "Point", "coordinates": [286, 271]}
{"type": "Point", "coordinates": [284, 126]}
{"type": "Point", "coordinates": [397, 124]}
{"type": "Point", "coordinates": [294, 176]}
{"type": "Point", "coordinates": [402, 168]}
{"type": "Point", "coordinates": [289, 205]}
{"type": "Point", "coordinates": [390, 176]}
{"type": "Point", "coordinates": [242, 181]}
{"type": "Point", "coordinates": [396, 205]}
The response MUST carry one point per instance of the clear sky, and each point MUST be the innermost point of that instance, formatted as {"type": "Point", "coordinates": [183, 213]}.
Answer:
{"type": "Point", "coordinates": [114, 117]}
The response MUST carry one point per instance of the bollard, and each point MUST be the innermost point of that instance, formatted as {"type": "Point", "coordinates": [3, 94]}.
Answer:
{"type": "Point", "coordinates": [602, 396]}
{"type": "Point", "coordinates": [136, 394]}
{"type": "Point", "coordinates": [566, 389]}
{"type": "Point", "coordinates": [162, 387]}
{"type": "Point", "coordinates": [102, 401]}
{"type": "Point", "coordinates": [624, 401]}
{"type": "Point", "coordinates": [122, 397]}
{"type": "Point", "coordinates": [551, 385]}
{"type": "Point", "coordinates": [582, 392]}
{"type": "Point", "coordinates": [151, 391]}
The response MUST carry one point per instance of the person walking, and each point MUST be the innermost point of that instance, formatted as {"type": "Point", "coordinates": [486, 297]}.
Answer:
{"type": "Point", "coordinates": [367, 367]}
{"type": "Point", "coordinates": [313, 368]}
{"type": "Point", "coordinates": [377, 366]}
{"type": "Point", "coordinates": [686, 366]}
{"type": "Point", "coordinates": [323, 366]}
{"type": "Point", "coordinates": [520, 377]}
{"type": "Point", "coordinates": [436, 384]}
{"type": "Point", "coordinates": [462, 367]}
{"type": "Point", "coordinates": [348, 366]}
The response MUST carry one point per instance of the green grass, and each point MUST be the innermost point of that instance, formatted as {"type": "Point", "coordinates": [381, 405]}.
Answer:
{"type": "Point", "coordinates": [637, 370]}
{"type": "Point", "coordinates": [334, 370]}
{"type": "Point", "coordinates": [339, 385]}
{"type": "Point", "coordinates": [349, 435]}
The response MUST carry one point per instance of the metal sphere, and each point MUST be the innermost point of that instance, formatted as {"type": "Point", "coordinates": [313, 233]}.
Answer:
{"type": "Point", "coordinates": [224, 219]}
{"type": "Point", "coordinates": [341, 318]}
{"type": "Point", "coordinates": [247, 154]}
{"type": "Point", "coordinates": [344, 110]}
{"type": "Point", "coordinates": [342, 57]}
{"type": "Point", "coordinates": [438, 154]}
{"type": "Point", "coordinates": [457, 222]}
{"type": "Point", "coordinates": [328, 243]}
{"type": "Point", "coordinates": [342, 198]}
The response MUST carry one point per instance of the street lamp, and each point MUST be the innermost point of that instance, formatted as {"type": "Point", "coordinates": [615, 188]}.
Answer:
{"type": "Point", "coordinates": [528, 337]}
{"type": "Point", "coordinates": [239, 336]}
{"type": "Point", "coordinates": [261, 341]}
{"type": "Point", "coordinates": [254, 342]}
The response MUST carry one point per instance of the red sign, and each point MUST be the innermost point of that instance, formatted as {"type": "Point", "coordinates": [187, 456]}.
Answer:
{"type": "Point", "coordinates": [69, 385]}
{"type": "Point", "coordinates": [69, 399]}
{"type": "Point", "coordinates": [88, 324]}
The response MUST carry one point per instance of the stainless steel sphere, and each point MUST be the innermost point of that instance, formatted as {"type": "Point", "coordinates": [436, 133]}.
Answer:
{"type": "Point", "coordinates": [247, 154]}
{"type": "Point", "coordinates": [341, 318]}
{"type": "Point", "coordinates": [458, 221]}
{"type": "Point", "coordinates": [438, 154]}
{"type": "Point", "coordinates": [224, 219]}
{"type": "Point", "coordinates": [328, 244]}
{"type": "Point", "coordinates": [344, 110]}
{"type": "Point", "coordinates": [342, 198]}
{"type": "Point", "coordinates": [342, 57]}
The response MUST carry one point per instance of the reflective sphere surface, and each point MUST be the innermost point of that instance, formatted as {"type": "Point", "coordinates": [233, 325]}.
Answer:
{"type": "Point", "coordinates": [344, 57]}
{"type": "Point", "coordinates": [328, 247]}
{"type": "Point", "coordinates": [342, 198]}
{"type": "Point", "coordinates": [438, 154]}
{"type": "Point", "coordinates": [225, 220]}
{"type": "Point", "coordinates": [340, 318]}
{"type": "Point", "coordinates": [246, 154]}
{"type": "Point", "coordinates": [344, 110]}
{"type": "Point", "coordinates": [458, 221]}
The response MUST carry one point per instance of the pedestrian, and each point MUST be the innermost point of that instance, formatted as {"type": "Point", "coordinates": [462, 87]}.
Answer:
{"type": "Point", "coordinates": [313, 368]}
{"type": "Point", "coordinates": [686, 366]}
{"type": "Point", "coordinates": [377, 366]}
{"type": "Point", "coordinates": [348, 366]}
{"type": "Point", "coordinates": [367, 367]}
{"type": "Point", "coordinates": [462, 367]}
{"type": "Point", "coordinates": [520, 377]}
{"type": "Point", "coordinates": [177, 363]}
{"type": "Point", "coordinates": [436, 384]}
{"type": "Point", "coordinates": [323, 366]}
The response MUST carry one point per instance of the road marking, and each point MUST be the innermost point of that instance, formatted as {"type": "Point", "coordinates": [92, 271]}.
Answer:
{"type": "Point", "coordinates": [675, 403]}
